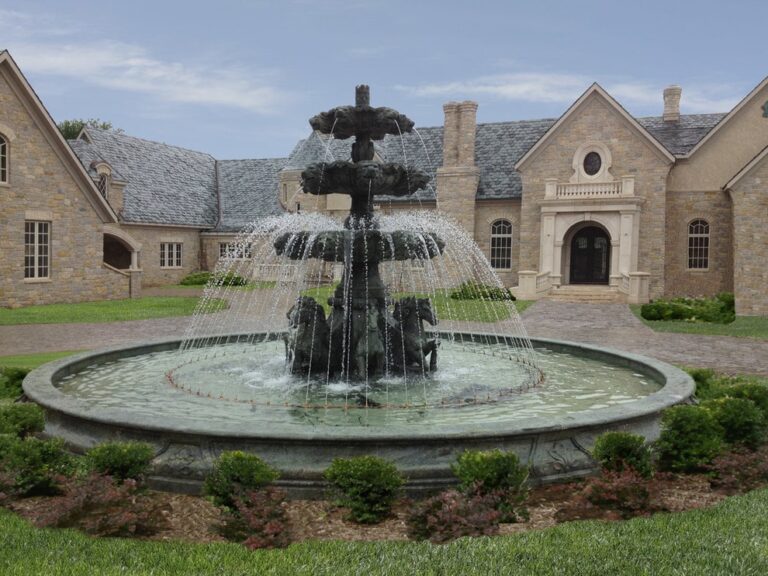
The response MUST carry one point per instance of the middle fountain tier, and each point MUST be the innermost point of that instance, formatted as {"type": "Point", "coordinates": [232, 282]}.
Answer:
{"type": "Point", "coordinates": [361, 338]}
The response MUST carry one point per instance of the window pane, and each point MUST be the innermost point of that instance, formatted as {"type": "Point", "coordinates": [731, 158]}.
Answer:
{"type": "Point", "coordinates": [501, 244]}
{"type": "Point", "coordinates": [698, 244]}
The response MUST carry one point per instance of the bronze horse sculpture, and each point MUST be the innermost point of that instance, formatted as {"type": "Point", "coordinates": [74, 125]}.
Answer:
{"type": "Point", "coordinates": [410, 343]}
{"type": "Point", "coordinates": [307, 341]}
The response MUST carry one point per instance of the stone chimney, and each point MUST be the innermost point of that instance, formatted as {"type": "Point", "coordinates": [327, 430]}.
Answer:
{"type": "Point", "coordinates": [458, 177]}
{"type": "Point", "coordinates": [467, 132]}
{"type": "Point", "coordinates": [672, 103]}
{"type": "Point", "coordinates": [451, 134]}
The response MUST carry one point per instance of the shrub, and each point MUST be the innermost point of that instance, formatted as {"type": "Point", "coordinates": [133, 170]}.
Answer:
{"type": "Point", "coordinates": [99, 506]}
{"type": "Point", "coordinates": [495, 471]}
{"type": "Point", "coordinates": [258, 520]}
{"type": "Point", "coordinates": [620, 451]}
{"type": "Point", "coordinates": [626, 491]}
{"type": "Point", "coordinates": [10, 381]}
{"type": "Point", "coordinates": [453, 514]}
{"type": "Point", "coordinates": [719, 309]}
{"type": "Point", "coordinates": [368, 485]}
{"type": "Point", "coordinates": [203, 278]}
{"type": "Point", "coordinates": [739, 470]}
{"type": "Point", "coordinates": [741, 420]}
{"type": "Point", "coordinates": [121, 460]}
{"type": "Point", "coordinates": [21, 419]}
{"type": "Point", "coordinates": [490, 470]}
{"type": "Point", "coordinates": [758, 393]}
{"type": "Point", "coordinates": [708, 384]}
{"type": "Point", "coordinates": [690, 438]}
{"type": "Point", "coordinates": [472, 290]}
{"type": "Point", "coordinates": [37, 466]}
{"type": "Point", "coordinates": [234, 473]}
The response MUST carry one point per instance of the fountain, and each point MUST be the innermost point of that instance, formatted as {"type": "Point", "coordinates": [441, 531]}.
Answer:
{"type": "Point", "coordinates": [333, 349]}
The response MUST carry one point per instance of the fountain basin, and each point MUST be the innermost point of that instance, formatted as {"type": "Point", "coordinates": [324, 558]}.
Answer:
{"type": "Point", "coordinates": [556, 447]}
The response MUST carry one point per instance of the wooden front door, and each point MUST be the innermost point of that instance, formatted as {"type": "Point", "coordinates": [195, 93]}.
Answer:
{"type": "Point", "coordinates": [590, 256]}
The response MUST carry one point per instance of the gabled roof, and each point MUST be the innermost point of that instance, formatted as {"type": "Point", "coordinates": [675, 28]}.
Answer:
{"type": "Point", "coordinates": [747, 169]}
{"type": "Point", "coordinates": [681, 136]}
{"type": "Point", "coordinates": [248, 190]}
{"type": "Point", "coordinates": [591, 92]}
{"type": "Point", "coordinates": [165, 184]}
{"type": "Point", "coordinates": [90, 158]}
{"type": "Point", "coordinates": [728, 116]}
{"type": "Point", "coordinates": [52, 134]}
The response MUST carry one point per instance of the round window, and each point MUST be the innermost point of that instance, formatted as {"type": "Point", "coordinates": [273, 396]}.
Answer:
{"type": "Point", "coordinates": [592, 163]}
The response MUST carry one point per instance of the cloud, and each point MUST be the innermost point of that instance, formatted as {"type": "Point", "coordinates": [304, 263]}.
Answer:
{"type": "Point", "coordinates": [565, 88]}
{"type": "Point", "coordinates": [128, 67]}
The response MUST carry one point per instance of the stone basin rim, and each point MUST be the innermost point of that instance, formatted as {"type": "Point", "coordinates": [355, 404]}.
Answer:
{"type": "Point", "coordinates": [677, 387]}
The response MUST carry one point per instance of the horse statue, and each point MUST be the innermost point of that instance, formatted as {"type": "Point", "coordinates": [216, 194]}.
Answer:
{"type": "Point", "coordinates": [307, 341]}
{"type": "Point", "coordinates": [409, 343]}
{"type": "Point", "coordinates": [369, 353]}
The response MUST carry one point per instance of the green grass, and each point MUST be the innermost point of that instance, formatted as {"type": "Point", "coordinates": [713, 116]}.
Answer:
{"type": "Point", "coordinates": [445, 307]}
{"type": "Point", "coordinates": [105, 311]}
{"type": "Point", "coordinates": [729, 539]}
{"type": "Point", "coordinates": [742, 327]}
{"type": "Point", "coordinates": [31, 361]}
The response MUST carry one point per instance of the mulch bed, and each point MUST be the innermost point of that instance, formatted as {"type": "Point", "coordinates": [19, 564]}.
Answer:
{"type": "Point", "coordinates": [195, 519]}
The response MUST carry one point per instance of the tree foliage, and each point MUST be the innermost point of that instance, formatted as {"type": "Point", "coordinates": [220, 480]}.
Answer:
{"type": "Point", "coordinates": [71, 128]}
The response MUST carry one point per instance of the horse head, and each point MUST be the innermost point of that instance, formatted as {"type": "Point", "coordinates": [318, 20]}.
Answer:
{"type": "Point", "coordinates": [306, 311]}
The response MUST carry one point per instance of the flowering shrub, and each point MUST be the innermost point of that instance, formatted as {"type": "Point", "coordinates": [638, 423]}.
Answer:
{"type": "Point", "coordinates": [453, 514]}
{"type": "Point", "coordinates": [258, 520]}
{"type": "Point", "coordinates": [99, 506]}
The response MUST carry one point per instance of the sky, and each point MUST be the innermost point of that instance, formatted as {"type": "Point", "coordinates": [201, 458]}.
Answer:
{"type": "Point", "coordinates": [239, 79]}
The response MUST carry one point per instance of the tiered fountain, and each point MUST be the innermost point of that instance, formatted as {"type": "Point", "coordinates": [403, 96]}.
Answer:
{"type": "Point", "coordinates": [275, 376]}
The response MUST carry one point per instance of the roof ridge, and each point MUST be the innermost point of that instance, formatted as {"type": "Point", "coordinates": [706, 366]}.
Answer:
{"type": "Point", "coordinates": [147, 140]}
{"type": "Point", "coordinates": [252, 159]}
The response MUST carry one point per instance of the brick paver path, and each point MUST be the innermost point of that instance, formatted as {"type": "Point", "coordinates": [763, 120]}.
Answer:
{"type": "Point", "coordinates": [614, 325]}
{"type": "Point", "coordinates": [611, 325]}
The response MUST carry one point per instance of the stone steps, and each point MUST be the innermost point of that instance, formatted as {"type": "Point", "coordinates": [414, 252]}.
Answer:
{"type": "Point", "coordinates": [587, 293]}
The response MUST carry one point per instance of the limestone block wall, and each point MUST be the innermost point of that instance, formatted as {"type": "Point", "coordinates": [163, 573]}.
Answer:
{"type": "Point", "coordinates": [40, 187]}
{"type": "Point", "coordinates": [750, 274]}
{"type": "Point", "coordinates": [632, 154]}
{"type": "Point", "coordinates": [485, 214]}
{"type": "Point", "coordinates": [715, 208]}
{"type": "Point", "coordinates": [151, 237]}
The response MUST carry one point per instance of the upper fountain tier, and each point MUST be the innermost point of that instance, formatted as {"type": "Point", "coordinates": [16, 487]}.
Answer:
{"type": "Point", "coordinates": [363, 177]}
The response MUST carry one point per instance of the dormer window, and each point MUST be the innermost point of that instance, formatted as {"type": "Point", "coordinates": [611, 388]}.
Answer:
{"type": "Point", "coordinates": [103, 185]}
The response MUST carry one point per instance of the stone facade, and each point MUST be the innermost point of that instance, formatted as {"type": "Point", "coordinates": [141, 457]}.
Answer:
{"type": "Point", "coordinates": [151, 238]}
{"type": "Point", "coordinates": [716, 209]}
{"type": "Point", "coordinates": [631, 153]}
{"type": "Point", "coordinates": [750, 207]}
{"type": "Point", "coordinates": [41, 187]}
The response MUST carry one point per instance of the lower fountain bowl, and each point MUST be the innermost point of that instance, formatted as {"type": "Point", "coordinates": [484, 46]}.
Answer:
{"type": "Point", "coordinates": [555, 447]}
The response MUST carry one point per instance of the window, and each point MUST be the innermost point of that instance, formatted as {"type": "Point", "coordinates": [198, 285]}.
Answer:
{"type": "Point", "coordinates": [37, 249]}
{"type": "Point", "coordinates": [170, 255]}
{"type": "Point", "coordinates": [103, 185]}
{"type": "Point", "coordinates": [501, 244]}
{"type": "Point", "coordinates": [698, 245]}
{"type": "Point", "coordinates": [3, 160]}
{"type": "Point", "coordinates": [235, 250]}
{"type": "Point", "coordinates": [285, 193]}
{"type": "Point", "coordinates": [592, 163]}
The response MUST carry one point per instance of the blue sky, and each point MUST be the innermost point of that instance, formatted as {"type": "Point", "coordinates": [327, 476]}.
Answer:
{"type": "Point", "coordinates": [239, 79]}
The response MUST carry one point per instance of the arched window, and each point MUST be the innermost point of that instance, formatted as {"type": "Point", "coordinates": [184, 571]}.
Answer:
{"type": "Point", "coordinates": [501, 244]}
{"type": "Point", "coordinates": [3, 160]}
{"type": "Point", "coordinates": [698, 245]}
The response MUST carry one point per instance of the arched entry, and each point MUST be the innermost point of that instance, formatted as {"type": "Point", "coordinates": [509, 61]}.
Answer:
{"type": "Point", "coordinates": [590, 256]}
{"type": "Point", "coordinates": [116, 253]}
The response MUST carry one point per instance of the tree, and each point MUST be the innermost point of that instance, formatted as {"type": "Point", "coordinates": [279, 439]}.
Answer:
{"type": "Point", "coordinates": [71, 128]}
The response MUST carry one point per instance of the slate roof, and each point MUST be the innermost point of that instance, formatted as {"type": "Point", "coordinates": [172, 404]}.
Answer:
{"type": "Point", "coordinates": [165, 184]}
{"type": "Point", "coordinates": [680, 137]}
{"type": "Point", "coordinates": [171, 185]}
{"type": "Point", "coordinates": [249, 190]}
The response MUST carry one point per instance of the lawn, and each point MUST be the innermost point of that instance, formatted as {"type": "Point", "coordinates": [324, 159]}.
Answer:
{"type": "Point", "coordinates": [105, 311]}
{"type": "Point", "coordinates": [30, 361]}
{"type": "Point", "coordinates": [742, 327]}
{"type": "Point", "coordinates": [730, 538]}
{"type": "Point", "coordinates": [445, 307]}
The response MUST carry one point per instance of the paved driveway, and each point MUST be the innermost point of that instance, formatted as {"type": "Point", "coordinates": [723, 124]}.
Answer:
{"type": "Point", "coordinates": [611, 325]}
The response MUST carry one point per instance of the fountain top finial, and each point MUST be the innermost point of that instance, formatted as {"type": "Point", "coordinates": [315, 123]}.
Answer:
{"type": "Point", "coordinates": [362, 95]}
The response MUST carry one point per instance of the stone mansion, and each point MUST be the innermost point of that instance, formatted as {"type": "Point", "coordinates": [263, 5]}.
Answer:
{"type": "Point", "coordinates": [596, 200]}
